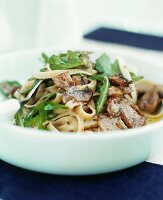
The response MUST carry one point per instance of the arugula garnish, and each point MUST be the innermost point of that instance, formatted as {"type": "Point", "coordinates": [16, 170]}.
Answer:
{"type": "Point", "coordinates": [64, 61]}
{"type": "Point", "coordinates": [104, 65]}
{"type": "Point", "coordinates": [45, 57]}
{"type": "Point", "coordinates": [136, 77]}
{"type": "Point", "coordinates": [103, 95]}
{"type": "Point", "coordinates": [97, 77]}
{"type": "Point", "coordinates": [104, 83]}
{"type": "Point", "coordinates": [115, 68]}
{"type": "Point", "coordinates": [53, 106]}
{"type": "Point", "coordinates": [37, 115]}
{"type": "Point", "coordinates": [19, 117]}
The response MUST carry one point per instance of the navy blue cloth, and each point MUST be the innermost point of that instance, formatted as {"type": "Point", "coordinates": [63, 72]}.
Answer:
{"type": "Point", "coordinates": [144, 181]}
{"type": "Point", "coordinates": [126, 38]}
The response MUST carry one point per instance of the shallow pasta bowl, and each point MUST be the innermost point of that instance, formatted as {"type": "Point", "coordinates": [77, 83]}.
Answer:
{"type": "Point", "coordinates": [67, 153]}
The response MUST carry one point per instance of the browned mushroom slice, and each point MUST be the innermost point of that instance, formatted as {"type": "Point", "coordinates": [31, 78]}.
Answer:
{"type": "Point", "coordinates": [110, 124]}
{"type": "Point", "coordinates": [119, 80]}
{"type": "Point", "coordinates": [149, 101]}
{"type": "Point", "coordinates": [66, 97]}
{"type": "Point", "coordinates": [82, 95]}
{"type": "Point", "coordinates": [80, 80]}
{"type": "Point", "coordinates": [126, 110]}
{"type": "Point", "coordinates": [116, 91]}
{"type": "Point", "coordinates": [144, 86]}
{"type": "Point", "coordinates": [63, 80]}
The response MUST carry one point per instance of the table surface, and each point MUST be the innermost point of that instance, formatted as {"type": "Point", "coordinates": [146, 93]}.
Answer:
{"type": "Point", "coordinates": [141, 182]}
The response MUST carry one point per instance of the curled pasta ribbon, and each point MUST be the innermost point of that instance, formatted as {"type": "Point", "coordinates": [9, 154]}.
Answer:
{"type": "Point", "coordinates": [68, 122]}
{"type": "Point", "coordinates": [51, 127]}
{"type": "Point", "coordinates": [54, 73]}
{"type": "Point", "coordinates": [52, 89]}
{"type": "Point", "coordinates": [90, 124]}
{"type": "Point", "coordinates": [58, 98]}
{"type": "Point", "coordinates": [92, 85]}
{"type": "Point", "coordinates": [81, 110]}
{"type": "Point", "coordinates": [92, 103]}
{"type": "Point", "coordinates": [72, 104]}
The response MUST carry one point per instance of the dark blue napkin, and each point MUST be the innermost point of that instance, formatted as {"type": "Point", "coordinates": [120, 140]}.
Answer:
{"type": "Point", "coordinates": [142, 182]}
{"type": "Point", "coordinates": [126, 38]}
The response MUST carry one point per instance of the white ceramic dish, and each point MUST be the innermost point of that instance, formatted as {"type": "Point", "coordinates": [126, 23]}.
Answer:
{"type": "Point", "coordinates": [72, 154]}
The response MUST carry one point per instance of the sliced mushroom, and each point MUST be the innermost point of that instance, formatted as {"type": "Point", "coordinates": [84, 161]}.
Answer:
{"type": "Point", "coordinates": [82, 95]}
{"type": "Point", "coordinates": [125, 72]}
{"type": "Point", "coordinates": [126, 110]}
{"type": "Point", "coordinates": [110, 124]}
{"type": "Point", "coordinates": [144, 86]}
{"type": "Point", "coordinates": [63, 80]}
{"type": "Point", "coordinates": [80, 80]}
{"type": "Point", "coordinates": [119, 80]}
{"type": "Point", "coordinates": [116, 91]}
{"type": "Point", "coordinates": [149, 101]}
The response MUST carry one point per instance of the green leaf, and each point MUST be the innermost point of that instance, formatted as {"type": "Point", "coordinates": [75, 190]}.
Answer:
{"type": "Point", "coordinates": [103, 95]}
{"type": "Point", "coordinates": [102, 87]}
{"type": "Point", "coordinates": [39, 114]}
{"type": "Point", "coordinates": [98, 77]}
{"type": "Point", "coordinates": [51, 106]}
{"type": "Point", "coordinates": [9, 87]}
{"type": "Point", "coordinates": [33, 122]}
{"type": "Point", "coordinates": [115, 68]}
{"type": "Point", "coordinates": [45, 58]}
{"type": "Point", "coordinates": [65, 61]}
{"type": "Point", "coordinates": [36, 117]}
{"type": "Point", "coordinates": [104, 65]}
{"type": "Point", "coordinates": [42, 117]}
{"type": "Point", "coordinates": [135, 77]}
{"type": "Point", "coordinates": [19, 117]}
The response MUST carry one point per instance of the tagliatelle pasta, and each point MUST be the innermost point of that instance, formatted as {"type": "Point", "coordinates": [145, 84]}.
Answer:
{"type": "Point", "coordinates": [86, 112]}
{"type": "Point", "coordinates": [53, 74]}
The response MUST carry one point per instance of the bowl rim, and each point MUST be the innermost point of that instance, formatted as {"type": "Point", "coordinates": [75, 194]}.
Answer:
{"type": "Point", "coordinates": [30, 132]}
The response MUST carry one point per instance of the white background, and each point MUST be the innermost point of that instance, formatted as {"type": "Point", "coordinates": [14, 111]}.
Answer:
{"type": "Point", "coordinates": [43, 23]}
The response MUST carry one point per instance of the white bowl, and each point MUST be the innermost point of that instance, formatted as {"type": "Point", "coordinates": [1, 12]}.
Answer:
{"type": "Point", "coordinates": [72, 154]}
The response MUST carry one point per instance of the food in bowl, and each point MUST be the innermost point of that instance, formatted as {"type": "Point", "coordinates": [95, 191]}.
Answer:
{"type": "Point", "coordinates": [71, 93]}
